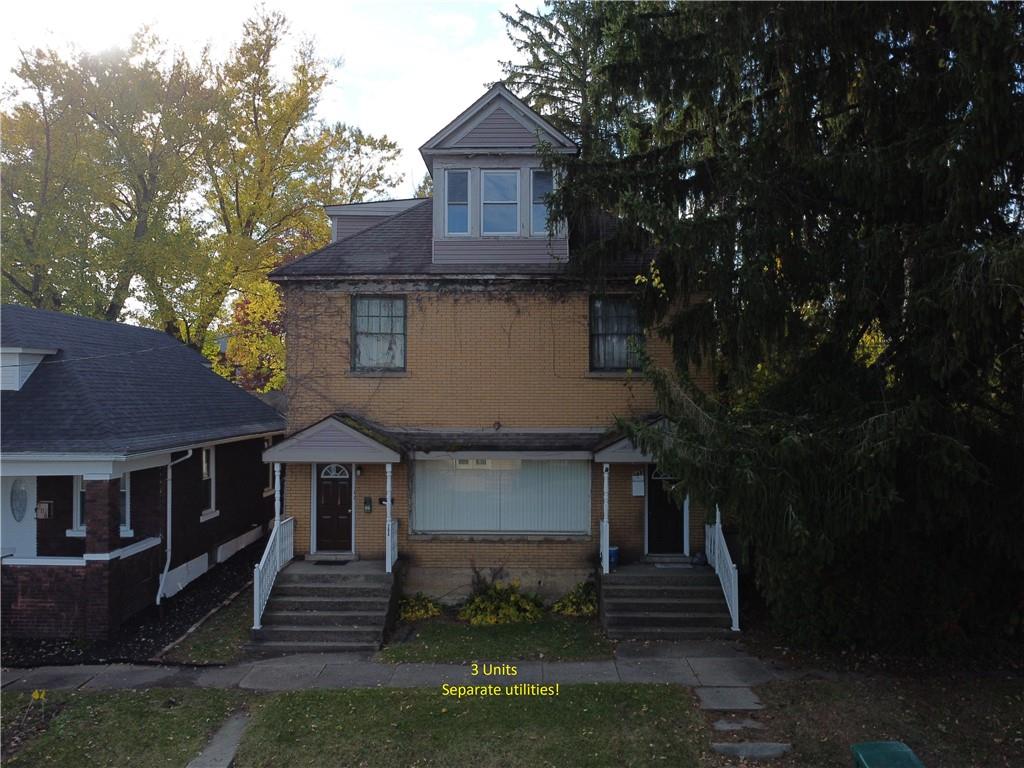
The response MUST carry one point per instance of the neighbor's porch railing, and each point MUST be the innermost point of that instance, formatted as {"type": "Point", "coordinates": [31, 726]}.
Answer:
{"type": "Point", "coordinates": [391, 534]}
{"type": "Point", "coordinates": [717, 552]}
{"type": "Point", "coordinates": [279, 552]}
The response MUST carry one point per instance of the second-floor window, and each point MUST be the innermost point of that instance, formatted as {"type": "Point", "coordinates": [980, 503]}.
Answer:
{"type": "Point", "coordinates": [614, 332]}
{"type": "Point", "coordinates": [542, 186]}
{"type": "Point", "coordinates": [456, 202]}
{"type": "Point", "coordinates": [500, 202]}
{"type": "Point", "coordinates": [378, 333]}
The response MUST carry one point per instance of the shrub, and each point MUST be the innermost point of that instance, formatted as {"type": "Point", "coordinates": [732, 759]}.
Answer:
{"type": "Point", "coordinates": [581, 600]}
{"type": "Point", "coordinates": [418, 607]}
{"type": "Point", "coordinates": [498, 603]}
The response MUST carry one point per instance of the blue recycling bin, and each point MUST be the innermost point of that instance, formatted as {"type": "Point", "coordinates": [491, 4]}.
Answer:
{"type": "Point", "coordinates": [613, 558]}
{"type": "Point", "coordinates": [884, 754]}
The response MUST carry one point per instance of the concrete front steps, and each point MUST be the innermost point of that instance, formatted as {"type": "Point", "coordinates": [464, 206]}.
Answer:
{"type": "Point", "coordinates": [325, 608]}
{"type": "Point", "coordinates": [644, 602]}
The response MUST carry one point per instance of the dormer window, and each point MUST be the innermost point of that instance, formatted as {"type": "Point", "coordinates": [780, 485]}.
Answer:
{"type": "Point", "coordinates": [500, 202]}
{"type": "Point", "coordinates": [457, 202]}
{"type": "Point", "coordinates": [542, 185]}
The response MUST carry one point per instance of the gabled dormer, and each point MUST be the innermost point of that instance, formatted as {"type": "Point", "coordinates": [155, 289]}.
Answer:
{"type": "Point", "coordinates": [490, 186]}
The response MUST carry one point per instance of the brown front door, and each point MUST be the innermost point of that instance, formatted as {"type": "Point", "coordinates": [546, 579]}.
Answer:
{"type": "Point", "coordinates": [664, 519]}
{"type": "Point", "coordinates": [333, 508]}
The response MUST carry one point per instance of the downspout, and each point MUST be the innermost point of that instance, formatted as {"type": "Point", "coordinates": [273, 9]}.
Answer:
{"type": "Point", "coordinates": [170, 498]}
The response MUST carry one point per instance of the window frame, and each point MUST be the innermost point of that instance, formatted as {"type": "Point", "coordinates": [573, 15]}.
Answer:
{"type": "Point", "coordinates": [484, 202]}
{"type": "Point", "coordinates": [208, 471]}
{"type": "Point", "coordinates": [534, 232]}
{"type": "Point", "coordinates": [125, 528]}
{"type": "Point", "coordinates": [78, 528]}
{"type": "Point", "coordinates": [469, 202]}
{"type": "Point", "coordinates": [625, 298]}
{"type": "Point", "coordinates": [353, 333]}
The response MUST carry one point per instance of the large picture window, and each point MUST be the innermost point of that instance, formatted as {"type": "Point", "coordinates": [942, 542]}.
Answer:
{"type": "Point", "coordinates": [456, 192]}
{"type": "Point", "coordinates": [502, 496]}
{"type": "Point", "coordinates": [500, 202]}
{"type": "Point", "coordinates": [378, 333]}
{"type": "Point", "coordinates": [614, 330]}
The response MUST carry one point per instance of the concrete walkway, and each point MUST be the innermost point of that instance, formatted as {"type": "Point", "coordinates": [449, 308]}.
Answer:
{"type": "Point", "coordinates": [721, 676]}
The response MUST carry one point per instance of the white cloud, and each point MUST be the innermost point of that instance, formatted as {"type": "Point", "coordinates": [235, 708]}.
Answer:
{"type": "Point", "coordinates": [409, 67]}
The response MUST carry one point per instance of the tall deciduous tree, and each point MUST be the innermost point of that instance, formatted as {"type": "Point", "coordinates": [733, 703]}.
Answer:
{"type": "Point", "coordinates": [841, 189]}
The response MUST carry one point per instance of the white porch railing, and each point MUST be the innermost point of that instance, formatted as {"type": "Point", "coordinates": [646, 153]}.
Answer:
{"type": "Point", "coordinates": [717, 552]}
{"type": "Point", "coordinates": [279, 552]}
{"type": "Point", "coordinates": [391, 534]}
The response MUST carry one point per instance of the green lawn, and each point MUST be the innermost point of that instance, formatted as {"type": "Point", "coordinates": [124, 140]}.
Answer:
{"type": "Point", "coordinates": [221, 638]}
{"type": "Point", "coordinates": [949, 722]}
{"type": "Point", "coordinates": [553, 638]}
{"type": "Point", "coordinates": [117, 729]}
{"type": "Point", "coordinates": [592, 725]}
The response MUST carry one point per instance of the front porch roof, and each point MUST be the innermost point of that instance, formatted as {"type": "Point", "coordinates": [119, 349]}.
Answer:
{"type": "Point", "coordinates": [345, 438]}
{"type": "Point", "coordinates": [339, 438]}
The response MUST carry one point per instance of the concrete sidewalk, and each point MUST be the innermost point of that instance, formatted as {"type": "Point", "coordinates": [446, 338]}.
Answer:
{"type": "Point", "coordinates": [683, 666]}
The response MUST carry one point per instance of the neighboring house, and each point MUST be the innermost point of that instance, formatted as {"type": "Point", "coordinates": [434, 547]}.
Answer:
{"type": "Point", "coordinates": [128, 469]}
{"type": "Point", "coordinates": [442, 348]}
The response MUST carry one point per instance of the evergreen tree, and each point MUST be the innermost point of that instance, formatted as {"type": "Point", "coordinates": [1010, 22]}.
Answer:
{"type": "Point", "coordinates": [834, 196]}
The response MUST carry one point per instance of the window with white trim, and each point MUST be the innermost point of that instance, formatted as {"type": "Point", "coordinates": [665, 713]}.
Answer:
{"type": "Point", "coordinates": [209, 459]}
{"type": "Point", "coordinates": [541, 186]}
{"type": "Point", "coordinates": [500, 202]}
{"type": "Point", "coordinates": [126, 503]}
{"type": "Point", "coordinates": [502, 496]}
{"type": "Point", "coordinates": [78, 508]}
{"type": "Point", "coordinates": [456, 192]}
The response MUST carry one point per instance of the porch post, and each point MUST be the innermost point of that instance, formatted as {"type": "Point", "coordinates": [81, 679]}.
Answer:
{"type": "Point", "coordinates": [686, 525]}
{"type": "Point", "coordinates": [277, 507]}
{"type": "Point", "coordinates": [389, 533]}
{"type": "Point", "coordinates": [604, 523]}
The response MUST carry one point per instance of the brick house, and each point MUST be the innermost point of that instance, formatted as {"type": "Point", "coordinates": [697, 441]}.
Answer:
{"type": "Point", "coordinates": [128, 469]}
{"type": "Point", "coordinates": [440, 348]}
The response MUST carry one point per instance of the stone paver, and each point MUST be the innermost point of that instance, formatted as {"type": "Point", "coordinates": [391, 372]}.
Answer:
{"type": "Point", "coordinates": [752, 750]}
{"type": "Point", "coordinates": [728, 699]}
{"type": "Point", "coordinates": [656, 671]}
{"type": "Point", "coordinates": [281, 677]}
{"type": "Point", "coordinates": [363, 675]}
{"type": "Point", "coordinates": [725, 672]}
{"type": "Point", "coordinates": [580, 672]}
{"type": "Point", "coordinates": [221, 749]}
{"type": "Point", "coordinates": [744, 724]}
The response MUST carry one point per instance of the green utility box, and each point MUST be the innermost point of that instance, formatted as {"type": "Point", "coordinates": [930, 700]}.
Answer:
{"type": "Point", "coordinates": [884, 754]}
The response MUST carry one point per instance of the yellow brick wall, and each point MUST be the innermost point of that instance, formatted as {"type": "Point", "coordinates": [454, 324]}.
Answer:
{"type": "Point", "coordinates": [472, 361]}
{"type": "Point", "coordinates": [625, 516]}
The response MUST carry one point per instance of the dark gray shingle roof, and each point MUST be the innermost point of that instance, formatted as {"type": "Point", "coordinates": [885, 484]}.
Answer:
{"type": "Point", "coordinates": [114, 388]}
{"type": "Point", "coordinates": [399, 245]}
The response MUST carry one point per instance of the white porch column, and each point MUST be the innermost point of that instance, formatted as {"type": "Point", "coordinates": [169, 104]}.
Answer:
{"type": "Point", "coordinates": [389, 533]}
{"type": "Point", "coordinates": [686, 525]}
{"type": "Point", "coordinates": [604, 524]}
{"type": "Point", "coordinates": [277, 507]}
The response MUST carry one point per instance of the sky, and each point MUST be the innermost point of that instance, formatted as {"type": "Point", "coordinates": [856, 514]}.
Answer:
{"type": "Point", "coordinates": [406, 68]}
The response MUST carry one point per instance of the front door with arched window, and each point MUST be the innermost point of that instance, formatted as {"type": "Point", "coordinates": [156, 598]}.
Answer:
{"type": "Point", "coordinates": [333, 508]}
